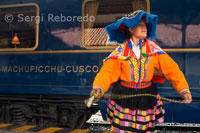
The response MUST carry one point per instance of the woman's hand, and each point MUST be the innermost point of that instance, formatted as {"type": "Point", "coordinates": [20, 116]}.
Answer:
{"type": "Point", "coordinates": [187, 98]}
{"type": "Point", "coordinates": [96, 93]}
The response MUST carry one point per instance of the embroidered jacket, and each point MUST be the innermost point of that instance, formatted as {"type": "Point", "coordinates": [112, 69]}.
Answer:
{"type": "Point", "coordinates": [155, 65]}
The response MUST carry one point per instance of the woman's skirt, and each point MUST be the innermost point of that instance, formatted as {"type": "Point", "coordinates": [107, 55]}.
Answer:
{"type": "Point", "coordinates": [136, 114]}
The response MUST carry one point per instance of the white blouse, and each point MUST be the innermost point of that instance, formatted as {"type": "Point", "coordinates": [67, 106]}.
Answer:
{"type": "Point", "coordinates": [136, 49]}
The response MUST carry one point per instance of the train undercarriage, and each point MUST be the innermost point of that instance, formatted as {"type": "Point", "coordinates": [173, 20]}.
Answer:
{"type": "Point", "coordinates": [43, 110]}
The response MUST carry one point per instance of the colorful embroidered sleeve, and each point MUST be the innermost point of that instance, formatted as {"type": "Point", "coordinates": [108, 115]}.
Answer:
{"type": "Point", "coordinates": [108, 74]}
{"type": "Point", "coordinates": [171, 71]}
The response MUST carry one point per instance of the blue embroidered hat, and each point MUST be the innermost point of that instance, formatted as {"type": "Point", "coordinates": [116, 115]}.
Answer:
{"type": "Point", "coordinates": [116, 30]}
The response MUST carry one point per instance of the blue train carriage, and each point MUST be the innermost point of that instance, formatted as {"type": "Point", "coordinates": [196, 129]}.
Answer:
{"type": "Point", "coordinates": [50, 52]}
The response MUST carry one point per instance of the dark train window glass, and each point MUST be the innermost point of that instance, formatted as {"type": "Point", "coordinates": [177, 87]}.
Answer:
{"type": "Point", "coordinates": [19, 27]}
{"type": "Point", "coordinates": [178, 23]}
{"type": "Point", "coordinates": [105, 12]}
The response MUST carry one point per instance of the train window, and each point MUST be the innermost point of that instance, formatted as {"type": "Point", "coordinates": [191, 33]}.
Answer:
{"type": "Point", "coordinates": [101, 13]}
{"type": "Point", "coordinates": [178, 26]}
{"type": "Point", "coordinates": [19, 27]}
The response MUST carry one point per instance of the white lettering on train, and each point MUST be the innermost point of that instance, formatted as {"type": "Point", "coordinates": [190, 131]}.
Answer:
{"type": "Point", "coordinates": [50, 69]}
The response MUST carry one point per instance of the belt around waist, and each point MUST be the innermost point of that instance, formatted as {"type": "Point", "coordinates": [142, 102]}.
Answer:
{"type": "Point", "coordinates": [133, 85]}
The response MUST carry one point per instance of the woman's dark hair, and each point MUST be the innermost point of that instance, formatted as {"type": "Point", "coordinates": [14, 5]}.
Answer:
{"type": "Point", "coordinates": [127, 33]}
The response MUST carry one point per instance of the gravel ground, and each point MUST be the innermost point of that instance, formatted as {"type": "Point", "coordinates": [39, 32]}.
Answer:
{"type": "Point", "coordinates": [97, 118]}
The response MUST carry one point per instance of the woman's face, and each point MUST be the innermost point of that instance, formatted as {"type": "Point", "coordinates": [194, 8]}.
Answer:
{"type": "Point", "coordinates": [140, 31]}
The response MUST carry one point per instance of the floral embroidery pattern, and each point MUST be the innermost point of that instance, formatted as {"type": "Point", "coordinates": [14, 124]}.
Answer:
{"type": "Point", "coordinates": [135, 69]}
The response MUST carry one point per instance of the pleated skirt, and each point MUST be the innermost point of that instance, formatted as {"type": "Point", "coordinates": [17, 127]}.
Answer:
{"type": "Point", "coordinates": [136, 114]}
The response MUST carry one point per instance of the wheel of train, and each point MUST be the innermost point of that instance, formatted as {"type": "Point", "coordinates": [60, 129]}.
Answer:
{"type": "Point", "coordinates": [45, 111]}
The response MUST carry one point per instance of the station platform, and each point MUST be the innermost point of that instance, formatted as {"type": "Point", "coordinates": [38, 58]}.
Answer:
{"type": "Point", "coordinates": [12, 128]}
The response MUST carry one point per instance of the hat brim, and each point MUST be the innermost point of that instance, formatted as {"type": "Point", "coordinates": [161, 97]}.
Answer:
{"type": "Point", "coordinates": [115, 30]}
